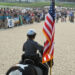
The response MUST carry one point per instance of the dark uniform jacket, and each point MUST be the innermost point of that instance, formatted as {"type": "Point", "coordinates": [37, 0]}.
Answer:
{"type": "Point", "coordinates": [30, 48]}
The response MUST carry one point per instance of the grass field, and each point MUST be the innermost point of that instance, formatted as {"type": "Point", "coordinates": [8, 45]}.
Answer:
{"type": "Point", "coordinates": [38, 4]}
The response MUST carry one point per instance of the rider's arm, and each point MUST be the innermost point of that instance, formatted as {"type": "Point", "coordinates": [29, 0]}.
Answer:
{"type": "Point", "coordinates": [39, 47]}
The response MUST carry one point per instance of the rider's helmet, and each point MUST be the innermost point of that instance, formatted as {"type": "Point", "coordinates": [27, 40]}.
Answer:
{"type": "Point", "coordinates": [31, 33]}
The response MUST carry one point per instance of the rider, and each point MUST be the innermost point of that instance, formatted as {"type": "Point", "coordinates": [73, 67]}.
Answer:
{"type": "Point", "coordinates": [30, 48]}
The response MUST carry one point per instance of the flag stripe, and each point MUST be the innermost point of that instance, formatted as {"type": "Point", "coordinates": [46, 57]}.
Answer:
{"type": "Point", "coordinates": [48, 24]}
{"type": "Point", "coordinates": [51, 48]}
{"type": "Point", "coordinates": [49, 20]}
{"type": "Point", "coordinates": [49, 29]}
{"type": "Point", "coordinates": [46, 46]}
{"type": "Point", "coordinates": [47, 36]}
{"type": "Point", "coordinates": [47, 32]}
{"type": "Point", "coordinates": [50, 17]}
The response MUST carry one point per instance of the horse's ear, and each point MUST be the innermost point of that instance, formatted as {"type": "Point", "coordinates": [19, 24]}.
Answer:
{"type": "Point", "coordinates": [17, 72]}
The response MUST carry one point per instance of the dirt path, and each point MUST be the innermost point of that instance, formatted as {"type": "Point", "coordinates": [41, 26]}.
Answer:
{"type": "Point", "coordinates": [11, 42]}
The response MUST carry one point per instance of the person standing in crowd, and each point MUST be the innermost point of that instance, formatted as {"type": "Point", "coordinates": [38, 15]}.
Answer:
{"type": "Point", "coordinates": [65, 15]}
{"type": "Point", "coordinates": [57, 16]}
{"type": "Point", "coordinates": [62, 16]}
{"type": "Point", "coordinates": [20, 19]}
{"type": "Point", "coordinates": [71, 16]}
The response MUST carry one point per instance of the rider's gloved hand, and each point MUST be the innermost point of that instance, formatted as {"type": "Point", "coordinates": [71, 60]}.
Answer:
{"type": "Point", "coordinates": [50, 63]}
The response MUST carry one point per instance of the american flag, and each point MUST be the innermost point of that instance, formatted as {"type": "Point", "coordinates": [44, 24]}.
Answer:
{"type": "Point", "coordinates": [49, 31]}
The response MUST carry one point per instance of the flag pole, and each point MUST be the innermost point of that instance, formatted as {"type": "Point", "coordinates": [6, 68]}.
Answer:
{"type": "Point", "coordinates": [51, 63]}
{"type": "Point", "coordinates": [51, 68]}
{"type": "Point", "coordinates": [51, 60]}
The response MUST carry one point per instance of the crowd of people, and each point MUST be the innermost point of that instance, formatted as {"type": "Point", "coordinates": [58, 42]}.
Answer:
{"type": "Point", "coordinates": [65, 14]}
{"type": "Point", "coordinates": [11, 17]}
{"type": "Point", "coordinates": [16, 17]}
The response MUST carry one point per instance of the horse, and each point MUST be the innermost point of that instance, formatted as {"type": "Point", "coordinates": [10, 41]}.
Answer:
{"type": "Point", "coordinates": [25, 69]}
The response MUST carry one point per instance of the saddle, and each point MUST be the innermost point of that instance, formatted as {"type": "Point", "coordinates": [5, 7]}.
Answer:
{"type": "Point", "coordinates": [29, 61]}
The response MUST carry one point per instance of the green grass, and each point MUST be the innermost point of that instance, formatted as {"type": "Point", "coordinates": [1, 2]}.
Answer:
{"type": "Point", "coordinates": [38, 4]}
